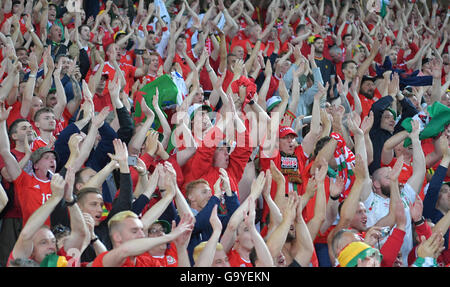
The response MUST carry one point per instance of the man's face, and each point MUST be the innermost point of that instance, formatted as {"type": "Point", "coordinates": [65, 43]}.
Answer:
{"type": "Point", "coordinates": [24, 129]}
{"type": "Point", "coordinates": [350, 71]}
{"type": "Point", "coordinates": [200, 194]}
{"type": "Point", "coordinates": [347, 40]}
{"type": "Point", "coordinates": [22, 56]}
{"type": "Point", "coordinates": [368, 89]}
{"type": "Point", "coordinates": [157, 230]}
{"type": "Point", "coordinates": [46, 122]}
{"type": "Point", "coordinates": [65, 64]}
{"type": "Point", "coordinates": [426, 68]}
{"type": "Point", "coordinates": [51, 13]}
{"type": "Point", "coordinates": [220, 259]}
{"type": "Point", "coordinates": [383, 181]}
{"type": "Point", "coordinates": [284, 67]}
{"type": "Point", "coordinates": [44, 243]}
{"type": "Point", "coordinates": [56, 33]}
{"type": "Point", "coordinates": [287, 144]}
{"type": "Point", "coordinates": [154, 63]}
{"type": "Point", "coordinates": [180, 44]}
{"type": "Point", "coordinates": [445, 99]}
{"type": "Point", "coordinates": [239, 52]}
{"type": "Point", "coordinates": [231, 61]}
{"type": "Point", "coordinates": [336, 57]}
{"type": "Point", "coordinates": [221, 157]}
{"type": "Point", "coordinates": [51, 101]}
{"type": "Point", "coordinates": [444, 197]}
{"type": "Point", "coordinates": [244, 237]}
{"type": "Point", "coordinates": [85, 33]}
{"type": "Point", "coordinates": [130, 229]}
{"type": "Point", "coordinates": [318, 45]}
{"type": "Point", "coordinates": [359, 221]}
{"type": "Point", "coordinates": [151, 42]}
{"type": "Point", "coordinates": [92, 203]}
{"type": "Point", "coordinates": [36, 104]}
{"type": "Point", "coordinates": [46, 163]}
{"type": "Point", "coordinates": [387, 121]}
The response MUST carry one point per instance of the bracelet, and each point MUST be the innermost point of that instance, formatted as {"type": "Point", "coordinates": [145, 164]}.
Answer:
{"type": "Point", "coordinates": [258, 40]}
{"type": "Point", "coordinates": [93, 240]}
{"type": "Point", "coordinates": [422, 220]}
{"type": "Point", "coordinates": [32, 76]}
{"type": "Point", "coordinates": [200, 31]}
{"type": "Point", "coordinates": [334, 198]}
{"type": "Point", "coordinates": [71, 203]}
{"type": "Point", "coordinates": [138, 51]}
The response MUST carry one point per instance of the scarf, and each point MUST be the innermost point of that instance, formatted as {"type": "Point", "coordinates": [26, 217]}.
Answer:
{"type": "Point", "coordinates": [344, 157]}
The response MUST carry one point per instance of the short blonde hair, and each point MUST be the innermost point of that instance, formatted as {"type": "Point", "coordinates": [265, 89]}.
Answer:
{"type": "Point", "coordinates": [119, 217]}
{"type": "Point", "coordinates": [191, 185]}
{"type": "Point", "coordinates": [199, 248]}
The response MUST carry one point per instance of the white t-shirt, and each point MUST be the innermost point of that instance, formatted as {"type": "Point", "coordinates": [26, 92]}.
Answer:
{"type": "Point", "coordinates": [377, 207]}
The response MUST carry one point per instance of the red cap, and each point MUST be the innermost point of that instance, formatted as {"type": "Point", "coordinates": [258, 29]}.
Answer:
{"type": "Point", "coordinates": [286, 130]}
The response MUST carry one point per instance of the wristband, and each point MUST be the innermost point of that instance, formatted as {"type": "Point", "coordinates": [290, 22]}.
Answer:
{"type": "Point", "coordinates": [93, 240]}
{"type": "Point", "coordinates": [139, 51]}
{"type": "Point", "coordinates": [71, 203]}
{"type": "Point", "coordinates": [31, 76]}
{"type": "Point", "coordinates": [334, 198]}
{"type": "Point", "coordinates": [422, 220]}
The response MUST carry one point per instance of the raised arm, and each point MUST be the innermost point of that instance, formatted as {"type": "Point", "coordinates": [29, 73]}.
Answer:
{"type": "Point", "coordinates": [418, 164]}
{"type": "Point", "coordinates": [23, 248]}
{"type": "Point", "coordinates": [11, 164]}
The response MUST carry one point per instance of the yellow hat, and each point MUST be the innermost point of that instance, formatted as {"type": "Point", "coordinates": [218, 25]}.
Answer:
{"type": "Point", "coordinates": [349, 256]}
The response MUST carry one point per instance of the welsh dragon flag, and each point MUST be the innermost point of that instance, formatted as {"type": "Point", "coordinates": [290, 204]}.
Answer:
{"type": "Point", "coordinates": [168, 92]}
{"type": "Point", "coordinates": [431, 125]}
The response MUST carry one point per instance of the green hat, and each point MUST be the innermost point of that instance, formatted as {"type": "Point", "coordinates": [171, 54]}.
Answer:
{"type": "Point", "coordinates": [272, 103]}
{"type": "Point", "coordinates": [165, 224]}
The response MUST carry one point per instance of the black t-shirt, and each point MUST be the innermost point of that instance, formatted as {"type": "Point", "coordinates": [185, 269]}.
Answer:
{"type": "Point", "coordinates": [327, 69]}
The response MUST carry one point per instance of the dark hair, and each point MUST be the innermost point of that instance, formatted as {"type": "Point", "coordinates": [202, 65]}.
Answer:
{"type": "Point", "coordinates": [60, 231]}
{"type": "Point", "coordinates": [13, 126]}
{"type": "Point", "coordinates": [346, 63]}
{"type": "Point", "coordinates": [320, 144]}
{"type": "Point", "coordinates": [253, 256]}
{"type": "Point", "coordinates": [83, 25]}
{"type": "Point", "coordinates": [78, 178]}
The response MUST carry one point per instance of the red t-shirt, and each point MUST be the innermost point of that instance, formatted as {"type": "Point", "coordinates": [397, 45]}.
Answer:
{"type": "Point", "coordinates": [14, 211]}
{"type": "Point", "coordinates": [31, 193]}
{"type": "Point", "coordinates": [236, 260]}
{"type": "Point", "coordinates": [141, 261]}
{"type": "Point", "coordinates": [170, 258]}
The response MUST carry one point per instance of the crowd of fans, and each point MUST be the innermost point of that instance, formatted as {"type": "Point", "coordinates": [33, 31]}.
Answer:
{"type": "Point", "coordinates": [248, 133]}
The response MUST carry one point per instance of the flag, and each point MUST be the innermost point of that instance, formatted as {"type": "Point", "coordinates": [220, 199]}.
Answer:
{"type": "Point", "coordinates": [383, 10]}
{"type": "Point", "coordinates": [54, 260]}
{"type": "Point", "coordinates": [168, 93]}
{"type": "Point", "coordinates": [439, 118]}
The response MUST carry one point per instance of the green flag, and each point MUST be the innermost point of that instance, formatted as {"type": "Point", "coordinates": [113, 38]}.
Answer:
{"type": "Point", "coordinates": [168, 92]}
{"type": "Point", "coordinates": [439, 119]}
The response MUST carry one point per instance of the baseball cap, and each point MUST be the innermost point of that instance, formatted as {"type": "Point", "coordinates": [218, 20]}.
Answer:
{"type": "Point", "coordinates": [165, 224]}
{"type": "Point", "coordinates": [37, 154]}
{"type": "Point", "coordinates": [367, 78]}
{"type": "Point", "coordinates": [286, 130]}
{"type": "Point", "coordinates": [193, 109]}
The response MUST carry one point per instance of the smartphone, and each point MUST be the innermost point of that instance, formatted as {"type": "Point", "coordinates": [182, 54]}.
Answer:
{"type": "Point", "coordinates": [132, 160]}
